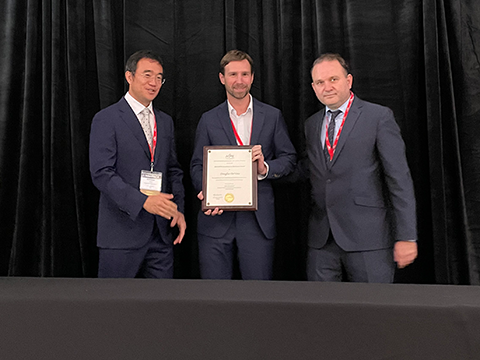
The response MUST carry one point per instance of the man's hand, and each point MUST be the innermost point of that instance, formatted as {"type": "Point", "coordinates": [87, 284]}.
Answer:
{"type": "Point", "coordinates": [257, 155]}
{"type": "Point", "coordinates": [179, 220]}
{"type": "Point", "coordinates": [215, 211]}
{"type": "Point", "coordinates": [161, 205]}
{"type": "Point", "coordinates": [404, 253]}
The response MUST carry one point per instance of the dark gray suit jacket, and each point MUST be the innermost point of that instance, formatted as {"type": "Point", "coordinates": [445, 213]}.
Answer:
{"type": "Point", "coordinates": [365, 196]}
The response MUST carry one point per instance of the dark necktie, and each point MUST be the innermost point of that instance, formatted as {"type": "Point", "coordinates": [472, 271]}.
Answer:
{"type": "Point", "coordinates": [331, 132]}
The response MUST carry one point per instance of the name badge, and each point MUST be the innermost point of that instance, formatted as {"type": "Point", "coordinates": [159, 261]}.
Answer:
{"type": "Point", "coordinates": [151, 182]}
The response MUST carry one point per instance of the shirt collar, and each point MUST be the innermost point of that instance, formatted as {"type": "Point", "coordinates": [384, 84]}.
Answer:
{"type": "Point", "coordinates": [343, 107]}
{"type": "Point", "coordinates": [136, 106]}
{"type": "Point", "coordinates": [232, 111]}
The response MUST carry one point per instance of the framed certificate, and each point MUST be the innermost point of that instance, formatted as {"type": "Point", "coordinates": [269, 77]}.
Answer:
{"type": "Point", "coordinates": [229, 178]}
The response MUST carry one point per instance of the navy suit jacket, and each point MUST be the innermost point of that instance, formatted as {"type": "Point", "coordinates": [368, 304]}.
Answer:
{"type": "Point", "coordinates": [118, 153]}
{"type": "Point", "coordinates": [365, 195]}
{"type": "Point", "coordinates": [268, 130]}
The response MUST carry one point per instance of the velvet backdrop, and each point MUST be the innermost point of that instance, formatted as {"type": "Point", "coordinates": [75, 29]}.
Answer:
{"type": "Point", "coordinates": [63, 61]}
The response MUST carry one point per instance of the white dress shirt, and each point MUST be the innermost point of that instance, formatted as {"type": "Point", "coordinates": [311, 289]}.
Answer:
{"type": "Point", "coordinates": [243, 126]}
{"type": "Point", "coordinates": [137, 108]}
{"type": "Point", "coordinates": [242, 122]}
{"type": "Point", "coordinates": [338, 121]}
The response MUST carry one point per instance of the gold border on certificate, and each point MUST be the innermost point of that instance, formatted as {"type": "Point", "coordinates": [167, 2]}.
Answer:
{"type": "Point", "coordinates": [229, 178]}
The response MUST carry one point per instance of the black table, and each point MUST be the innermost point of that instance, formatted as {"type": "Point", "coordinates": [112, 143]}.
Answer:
{"type": "Point", "coordinates": [45, 318]}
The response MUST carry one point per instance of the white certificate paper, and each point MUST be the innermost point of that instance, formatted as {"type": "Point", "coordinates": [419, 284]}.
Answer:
{"type": "Point", "coordinates": [229, 178]}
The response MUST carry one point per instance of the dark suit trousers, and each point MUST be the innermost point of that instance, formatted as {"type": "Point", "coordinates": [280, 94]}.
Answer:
{"type": "Point", "coordinates": [332, 263]}
{"type": "Point", "coordinates": [255, 251]}
{"type": "Point", "coordinates": [153, 260]}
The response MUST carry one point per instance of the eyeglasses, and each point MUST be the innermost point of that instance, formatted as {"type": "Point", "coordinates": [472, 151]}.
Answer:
{"type": "Point", "coordinates": [148, 77]}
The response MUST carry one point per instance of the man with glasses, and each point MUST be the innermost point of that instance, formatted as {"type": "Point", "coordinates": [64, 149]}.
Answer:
{"type": "Point", "coordinates": [139, 178]}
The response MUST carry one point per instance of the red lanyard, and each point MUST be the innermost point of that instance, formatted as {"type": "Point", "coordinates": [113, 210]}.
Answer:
{"type": "Point", "coordinates": [331, 149]}
{"type": "Point", "coordinates": [154, 143]}
{"type": "Point", "coordinates": [239, 141]}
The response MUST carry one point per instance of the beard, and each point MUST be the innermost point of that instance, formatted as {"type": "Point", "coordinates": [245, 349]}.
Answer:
{"type": "Point", "coordinates": [239, 93]}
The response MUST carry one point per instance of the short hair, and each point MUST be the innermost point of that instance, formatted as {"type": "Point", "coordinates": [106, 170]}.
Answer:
{"type": "Point", "coordinates": [133, 60]}
{"type": "Point", "coordinates": [235, 55]}
{"type": "Point", "coordinates": [331, 57]}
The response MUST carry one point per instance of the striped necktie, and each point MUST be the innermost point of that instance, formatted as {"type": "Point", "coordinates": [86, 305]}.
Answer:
{"type": "Point", "coordinates": [331, 132]}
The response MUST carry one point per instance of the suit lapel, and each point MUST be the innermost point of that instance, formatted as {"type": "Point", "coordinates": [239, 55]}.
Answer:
{"type": "Point", "coordinates": [129, 117]}
{"type": "Point", "coordinates": [352, 117]}
{"type": "Point", "coordinates": [257, 122]}
{"type": "Point", "coordinates": [224, 119]}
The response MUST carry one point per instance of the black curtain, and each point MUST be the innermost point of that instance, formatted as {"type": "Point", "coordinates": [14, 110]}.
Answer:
{"type": "Point", "coordinates": [63, 61]}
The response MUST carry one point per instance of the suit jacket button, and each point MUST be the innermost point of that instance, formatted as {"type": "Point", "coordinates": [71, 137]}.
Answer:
{"type": "Point", "coordinates": [329, 181]}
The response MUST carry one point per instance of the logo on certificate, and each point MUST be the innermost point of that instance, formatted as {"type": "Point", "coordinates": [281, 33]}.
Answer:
{"type": "Point", "coordinates": [229, 198]}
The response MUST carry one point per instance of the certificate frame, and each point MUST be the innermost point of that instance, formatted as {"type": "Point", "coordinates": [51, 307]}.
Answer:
{"type": "Point", "coordinates": [213, 197]}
